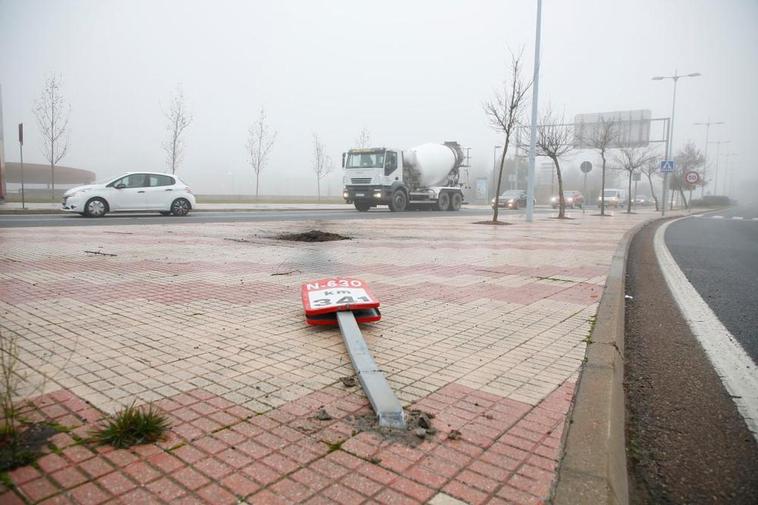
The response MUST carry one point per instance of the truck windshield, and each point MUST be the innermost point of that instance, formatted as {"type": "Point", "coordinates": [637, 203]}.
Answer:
{"type": "Point", "coordinates": [365, 160]}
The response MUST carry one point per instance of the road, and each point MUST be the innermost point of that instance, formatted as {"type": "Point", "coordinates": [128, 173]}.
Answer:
{"type": "Point", "coordinates": [718, 254]}
{"type": "Point", "coordinates": [34, 220]}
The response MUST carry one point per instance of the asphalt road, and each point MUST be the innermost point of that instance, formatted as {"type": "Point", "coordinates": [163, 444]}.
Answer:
{"type": "Point", "coordinates": [34, 220]}
{"type": "Point", "coordinates": [718, 253]}
{"type": "Point", "coordinates": [686, 441]}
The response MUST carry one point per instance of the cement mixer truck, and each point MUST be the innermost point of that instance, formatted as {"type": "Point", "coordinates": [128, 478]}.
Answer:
{"type": "Point", "coordinates": [422, 177]}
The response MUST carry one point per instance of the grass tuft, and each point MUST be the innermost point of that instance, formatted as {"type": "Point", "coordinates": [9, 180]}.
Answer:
{"type": "Point", "coordinates": [132, 426]}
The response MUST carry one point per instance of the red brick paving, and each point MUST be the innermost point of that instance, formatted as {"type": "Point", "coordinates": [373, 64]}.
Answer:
{"type": "Point", "coordinates": [507, 451]}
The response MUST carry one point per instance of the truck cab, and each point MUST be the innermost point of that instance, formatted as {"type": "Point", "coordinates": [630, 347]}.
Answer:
{"type": "Point", "coordinates": [371, 176]}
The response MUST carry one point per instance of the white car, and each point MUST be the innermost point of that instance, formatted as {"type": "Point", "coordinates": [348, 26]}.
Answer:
{"type": "Point", "coordinates": [132, 192]}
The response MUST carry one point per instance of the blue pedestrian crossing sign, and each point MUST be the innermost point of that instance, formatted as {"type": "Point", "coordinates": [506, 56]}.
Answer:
{"type": "Point", "coordinates": [667, 166]}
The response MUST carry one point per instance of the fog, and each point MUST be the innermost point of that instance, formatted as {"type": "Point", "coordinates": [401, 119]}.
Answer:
{"type": "Point", "coordinates": [409, 72]}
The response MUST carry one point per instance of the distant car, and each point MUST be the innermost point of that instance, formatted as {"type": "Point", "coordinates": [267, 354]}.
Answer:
{"type": "Point", "coordinates": [511, 199]}
{"type": "Point", "coordinates": [132, 192]}
{"type": "Point", "coordinates": [573, 199]}
{"type": "Point", "coordinates": [613, 198]}
{"type": "Point", "coordinates": [642, 200]}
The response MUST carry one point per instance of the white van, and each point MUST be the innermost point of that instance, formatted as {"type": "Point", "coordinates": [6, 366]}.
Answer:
{"type": "Point", "coordinates": [613, 198]}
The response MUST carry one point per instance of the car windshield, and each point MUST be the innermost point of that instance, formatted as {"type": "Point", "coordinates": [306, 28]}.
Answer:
{"type": "Point", "coordinates": [610, 193]}
{"type": "Point", "coordinates": [365, 160]}
{"type": "Point", "coordinates": [511, 194]}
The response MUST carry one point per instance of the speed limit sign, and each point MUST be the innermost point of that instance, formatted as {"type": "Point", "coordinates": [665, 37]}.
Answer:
{"type": "Point", "coordinates": [692, 177]}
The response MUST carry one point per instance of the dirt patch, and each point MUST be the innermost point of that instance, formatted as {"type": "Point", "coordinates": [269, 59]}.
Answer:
{"type": "Point", "coordinates": [494, 223]}
{"type": "Point", "coordinates": [312, 236]}
{"type": "Point", "coordinates": [419, 427]}
{"type": "Point", "coordinates": [31, 439]}
{"type": "Point", "coordinates": [686, 442]}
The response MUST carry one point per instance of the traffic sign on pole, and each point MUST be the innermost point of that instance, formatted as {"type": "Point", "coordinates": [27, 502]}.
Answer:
{"type": "Point", "coordinates": [346, 302]}
{"type": "Point", "coordinates": [692, 177]}
{"type": "Point", "coordinates": [667, 166]}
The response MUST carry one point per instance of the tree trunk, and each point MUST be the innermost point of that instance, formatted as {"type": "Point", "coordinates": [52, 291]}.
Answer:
{"type": "Point", "coordinates": [673, 192]}
{"type": "Point", "coordinates": [629, 194]}
{"type": "Point", "coordinates": [652, 191]}
{"type": "Point", "coordinates": [684, 199]}
{"type": "Point", "coordinates": [318, 187]}
{"type": "Point", "coordinates": [257, 175]}
{"type": "Point", "coordinates": [561, 199]}
{"type": "Point", "coordinates": [500, 180]}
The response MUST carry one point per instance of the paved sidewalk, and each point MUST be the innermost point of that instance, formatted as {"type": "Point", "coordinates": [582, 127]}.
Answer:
{"type": "Point", "coordinates": [484, 329]}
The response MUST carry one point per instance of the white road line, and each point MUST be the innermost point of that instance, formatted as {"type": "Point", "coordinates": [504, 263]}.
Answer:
{"type": "Point", "coordinates": [738, 217]}
{"type": "Point", "coordinates": [717, 217]}
{"type": "Point", "coordinates": [737, 371]}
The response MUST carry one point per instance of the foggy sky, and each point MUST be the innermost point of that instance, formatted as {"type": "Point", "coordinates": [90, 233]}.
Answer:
{"type": "Point", "coordinates": [410, 72]}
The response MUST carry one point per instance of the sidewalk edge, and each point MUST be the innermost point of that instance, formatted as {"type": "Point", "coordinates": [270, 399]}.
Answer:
{"type": "Point", "coordinates": [593, 461]}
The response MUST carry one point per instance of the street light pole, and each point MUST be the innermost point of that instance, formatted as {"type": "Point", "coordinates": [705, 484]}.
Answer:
{"type": "Point", "coordinates": [727, 174]}
{"type": "Point", "coordinates": [533, 133]}
{"type": "Point", "coordinates": [670, 143]}
{"type": "Point", "coordinates": [716, 176]}
{"type": "Point", "coordinates": [707, 125]}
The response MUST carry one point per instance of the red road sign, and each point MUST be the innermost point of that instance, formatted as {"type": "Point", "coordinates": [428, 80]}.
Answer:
{"type": "Point", "coordinates": [692, 177]}
{"type": "Point", "coordinates": [323, 298]}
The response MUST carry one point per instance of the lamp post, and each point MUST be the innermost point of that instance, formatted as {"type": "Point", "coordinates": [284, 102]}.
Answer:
{"type": "Point", "coordinates": [716, 176]}
{"type": "Point", "coordinates": [533, 133]}
{"type": "Point", "coordinates": [670, 143]}
{"type": "Point", "coordinates": [707, 125]}
{"type": "Point", "coordinates": [728, 176]}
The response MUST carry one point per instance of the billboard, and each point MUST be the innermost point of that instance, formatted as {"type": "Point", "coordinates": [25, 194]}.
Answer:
{"type": "Point", "coordinates": [631, 128]}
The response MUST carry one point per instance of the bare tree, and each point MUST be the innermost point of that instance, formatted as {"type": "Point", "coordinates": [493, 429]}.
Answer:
{"type": "Point", "coordinates": [178, 120]}
{"type": "Point", "coordinates": [52, 112]}
{"type": "Point", "coordinates": [364, 138]}
{"type": "Point", "coordinates": [554, 140]}
{"type": "Point", "coordinates": [689, 158]}
{"type": "Point", "coordinates": [650, 169]}
{"type": "Point", "coordinates": [632, 160]}
{"type": "Point", "coordinates": [260, 140]}
{"type": "Point", "coordinates": [504, 114]}
{"type": "Point", "coordinates": [322, 163]}
{"type": "Point", "coordinates": [602, 138]}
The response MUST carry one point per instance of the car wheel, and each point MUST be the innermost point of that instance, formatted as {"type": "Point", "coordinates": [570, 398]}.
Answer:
{"type": "Point", "coordinates": [180, 207]}
{"type": "Point", "coordinates": [362, 206]}
{"type": "Point", "coordinates": [399, 201]}
{"type": "Point", "coordinates": [455, 202]}
{"type": "Point", "coordinates": [95, 207]}
{"type": "Point", "coordinates": [443, 202]}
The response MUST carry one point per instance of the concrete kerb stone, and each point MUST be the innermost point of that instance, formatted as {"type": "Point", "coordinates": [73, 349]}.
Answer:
{"type": "Point", "coordinates": [593, 464]}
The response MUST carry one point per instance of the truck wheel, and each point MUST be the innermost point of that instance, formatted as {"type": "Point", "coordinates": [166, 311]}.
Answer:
{"type": "Point", "coordinates": [362, 206]}
{"type": "Point", "coordinates": [455, 202]}
{"type": "Point", "coordinates": [399, 201]}
{"type": "Point", "coordinates": [443, 202]}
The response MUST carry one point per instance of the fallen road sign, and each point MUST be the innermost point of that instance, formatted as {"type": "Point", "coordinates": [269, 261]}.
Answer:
{"type": "Point", "coordinates": [346, 302]}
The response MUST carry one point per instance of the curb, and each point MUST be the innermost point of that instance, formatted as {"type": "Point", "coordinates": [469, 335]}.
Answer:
{"type": "Point", "coordinates": [593, 464]}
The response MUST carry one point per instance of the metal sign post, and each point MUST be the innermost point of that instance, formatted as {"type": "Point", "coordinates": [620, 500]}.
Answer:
{"type": "Point", "coordinates": [667, 166]}
{"type": "Point", "coordinates": [346, 302]}
{"type": "Point", "coordinates": [585, 167]}
{"type": "Point", "coordinates": [21, 155]}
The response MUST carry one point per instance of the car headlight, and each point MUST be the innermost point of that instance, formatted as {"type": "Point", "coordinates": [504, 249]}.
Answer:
{"type": "Point", "coordinates": [510, 201]}
{"type": "Point", "coordinates": [554, 199]}
{"type": "Point", "coordinates": [378, 194]}
{"type": "Point", "coordinates": [569, 200]}
{"type": "Point", "coordinates": [493, 201]}
{"type": "Point", "coordinates": [345, 194]}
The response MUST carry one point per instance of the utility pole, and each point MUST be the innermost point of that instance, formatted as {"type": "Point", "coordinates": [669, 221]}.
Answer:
{"type": "Point", "coordinates": [533, 134]}
{"type": "Point", "coordinates": [707, 125]}
{"type": "Point", "coordinates": [728, 175]}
